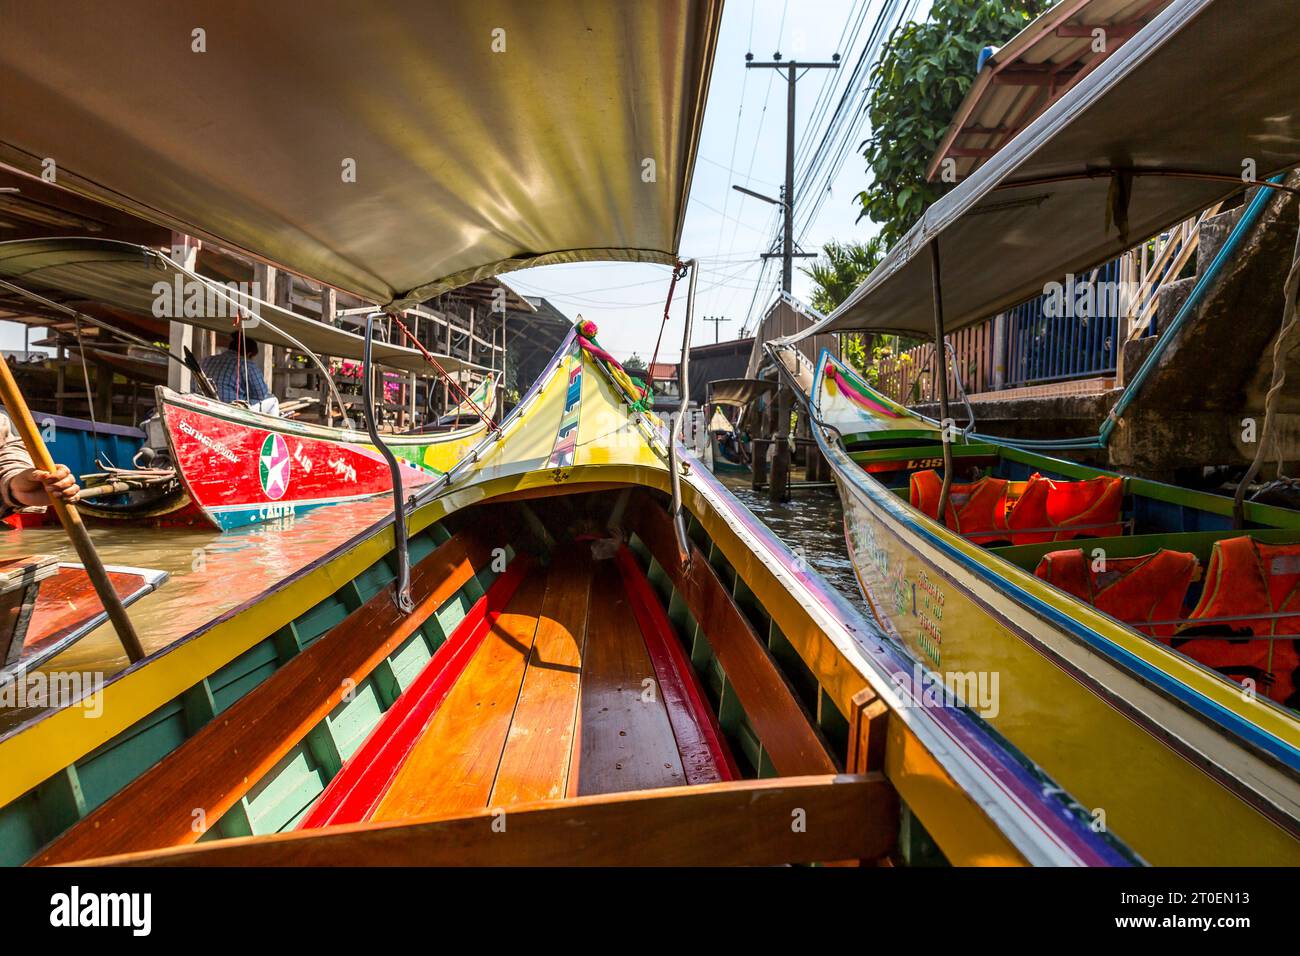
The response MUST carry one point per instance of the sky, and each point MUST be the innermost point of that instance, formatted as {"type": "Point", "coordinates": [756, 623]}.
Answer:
{"type": "Point", "coordinates": [743, 143]}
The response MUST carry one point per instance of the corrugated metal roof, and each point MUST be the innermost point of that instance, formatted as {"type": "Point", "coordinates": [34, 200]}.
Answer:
{"type": "Point", "coordinates": [1033, 70]}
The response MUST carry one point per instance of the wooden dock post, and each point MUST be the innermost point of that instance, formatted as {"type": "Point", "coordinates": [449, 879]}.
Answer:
{"type": "Point", "coordinates": [778, 488]}
{"type": "Point", "coordinates": [758, 462]}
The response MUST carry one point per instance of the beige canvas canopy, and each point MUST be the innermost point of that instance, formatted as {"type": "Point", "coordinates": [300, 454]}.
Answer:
{"type": "Point", "coordinates": [142, 280]}
{"type": "Point", "coordinates": [1166, 126]}
{"type": "Point", "coordinates": [391, 150]}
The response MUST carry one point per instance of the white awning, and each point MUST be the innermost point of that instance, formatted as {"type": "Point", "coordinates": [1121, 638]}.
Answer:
{"type": "Point", "coordinates": [1206, 89]}
{"type": "Point", "coordinates": [392, 150]}
{"type": "Point", "coordinates": [142, 280]}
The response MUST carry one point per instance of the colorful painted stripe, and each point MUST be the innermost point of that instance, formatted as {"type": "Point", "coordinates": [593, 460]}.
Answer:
{"type": "Point", "coordinates": [566, 439]}
{"type": "Point", "coordinates": [1052, 814]}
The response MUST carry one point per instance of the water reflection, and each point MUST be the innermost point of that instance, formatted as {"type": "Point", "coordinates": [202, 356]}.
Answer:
{"type": "Point", "coordinates": [812, 524]}
{"type": "Point", "coordinates": [211, 572]}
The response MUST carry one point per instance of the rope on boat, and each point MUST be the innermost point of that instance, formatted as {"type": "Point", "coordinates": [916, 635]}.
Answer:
{"type": "Point", "coordinates": [428, 357]}
{"type": "Point", "coordinates": [679, 272]}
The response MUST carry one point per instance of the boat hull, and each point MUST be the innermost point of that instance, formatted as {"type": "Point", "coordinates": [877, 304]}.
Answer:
{"type": "Point", "coordinates": [1122, 723]}
{"type": "Point", "coordinates": [755, 623]}
{"type": "Point", "coordinates": [240, 467]}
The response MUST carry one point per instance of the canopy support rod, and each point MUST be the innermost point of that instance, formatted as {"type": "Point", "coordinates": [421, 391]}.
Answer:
{"type": "Point", "coordinates": [205, 384]}
{"type": "Point", "coordinates": [69, 518]}
{"type": "Point", "coordinates": [1102, 172]}
{"type": "Point", "coordinates": [674, 469]}
{"type": "Point", "coordinates": [941, 379]}
{"type": "Point", "coordinates": [402, 586]}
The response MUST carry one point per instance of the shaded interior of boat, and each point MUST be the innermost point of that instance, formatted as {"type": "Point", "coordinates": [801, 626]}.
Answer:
{"type": "Point", "coordinates": [558, 652]}
{"type": "Point", "coordinates": [1165, 560]}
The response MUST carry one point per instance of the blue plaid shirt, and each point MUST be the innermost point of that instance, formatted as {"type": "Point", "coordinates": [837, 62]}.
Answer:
{"type": "Point", "coordinates": [231, 381]}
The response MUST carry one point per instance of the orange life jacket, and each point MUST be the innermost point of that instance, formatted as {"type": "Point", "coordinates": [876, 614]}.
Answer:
{"type": "Point", "coordinates": [1247, 578]}
{"type": "Point", "coordinates": [1061, 510]}
{"type": "Point", "coordinates": [977, 510]}
{"type": "Point", "coordinates": [1133, 590]}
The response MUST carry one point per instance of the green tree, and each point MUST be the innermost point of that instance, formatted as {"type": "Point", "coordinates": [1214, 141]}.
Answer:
{"type": "Point", "coordinates": [840, 269]}
{"type": "Point", "coordinates": [918, 83]}
{"type": "Point", "coordinates": [635, 366]}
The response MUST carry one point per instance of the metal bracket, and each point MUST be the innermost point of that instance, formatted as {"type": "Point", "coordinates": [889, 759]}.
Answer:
{"type": "Point", "coordinates": [402, 585]}
{"type": "Point", "coordinates": [679, 522]}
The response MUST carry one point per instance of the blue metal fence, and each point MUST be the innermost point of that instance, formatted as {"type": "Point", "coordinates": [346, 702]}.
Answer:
{"type": "Point", "coordinates": [1049, 340]}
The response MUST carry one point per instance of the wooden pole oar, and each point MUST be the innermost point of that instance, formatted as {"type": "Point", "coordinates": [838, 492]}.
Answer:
{"type": "Point", "coordinates": [22, 418]}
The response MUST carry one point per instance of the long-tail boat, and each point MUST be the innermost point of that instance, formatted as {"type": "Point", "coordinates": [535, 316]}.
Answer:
{"type": "Point", "coordinates": [1101, 601]}
{"type": "Point", "coordinates": [566, 690]}
{"type": "Point", "coordinates": [1145, 635]}
{"type": "Point", "coordinates": [575, 646]}
{"type": "Point", "coordinates": [221, 465]}
{"type": "Point", "coordinates": [233, 466]}
{"type": "Point", "coordinates": [46, 606]}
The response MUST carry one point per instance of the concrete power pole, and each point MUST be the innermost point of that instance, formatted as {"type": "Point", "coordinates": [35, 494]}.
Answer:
{"type": "Point", "coordinates": [792, 69]}
{"type": "Point", "coordinates": [779, 479]}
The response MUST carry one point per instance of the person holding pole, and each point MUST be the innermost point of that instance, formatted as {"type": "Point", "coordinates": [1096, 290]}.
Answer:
{"type": "Point", "coordinates": [22, 485]}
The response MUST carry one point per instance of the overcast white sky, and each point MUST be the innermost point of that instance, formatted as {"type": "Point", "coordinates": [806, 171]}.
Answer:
{"type": "Point", "coordinates": [743, 143]}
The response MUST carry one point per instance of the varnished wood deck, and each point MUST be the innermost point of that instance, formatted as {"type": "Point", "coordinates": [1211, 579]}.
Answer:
{"type": "Point", "coordinates": [560, 699]}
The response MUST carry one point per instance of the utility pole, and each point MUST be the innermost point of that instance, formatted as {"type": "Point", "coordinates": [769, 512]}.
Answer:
{"type": "Point", "coordinates": [717, 321]}
{"type": "Point", "coordinates": [792, 69]}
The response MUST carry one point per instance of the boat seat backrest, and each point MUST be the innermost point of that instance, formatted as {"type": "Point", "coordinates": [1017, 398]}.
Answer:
{"type": "Point", "coordinates": [1138, 591]}
{"type": "Point", "coordinates": [1252, 591]}
{"type": "Point", "coordinates": [1051, 510]}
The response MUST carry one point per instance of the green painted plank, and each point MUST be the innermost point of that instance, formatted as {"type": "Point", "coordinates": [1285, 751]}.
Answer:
{"type": "Point", "coordinates": [245, 672]}
{"type": "Point", "coordinates": [198, 705]}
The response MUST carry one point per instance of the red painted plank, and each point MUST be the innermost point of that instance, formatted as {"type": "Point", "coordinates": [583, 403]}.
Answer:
{"type": "Point", "coordinates": [358, 787]}
{"type": "Point", "coordinates": [706, 758]}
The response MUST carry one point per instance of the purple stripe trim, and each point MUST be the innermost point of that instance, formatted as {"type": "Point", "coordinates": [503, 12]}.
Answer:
{"type": "Point", "coordinates": [1002, 766]}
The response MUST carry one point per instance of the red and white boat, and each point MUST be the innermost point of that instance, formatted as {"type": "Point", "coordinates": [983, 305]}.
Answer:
{"type": "Point", "coordinates": [227, 466]}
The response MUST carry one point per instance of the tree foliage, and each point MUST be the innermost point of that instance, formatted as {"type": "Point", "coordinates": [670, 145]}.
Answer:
{"type": "Point", "coordinates": [918, 83]}
{"type": "Point", "coordinates": [840, 269]}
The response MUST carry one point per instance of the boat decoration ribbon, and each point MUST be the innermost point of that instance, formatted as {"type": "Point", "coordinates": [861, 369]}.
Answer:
{"type": "Point", "coordinates": [854, 394]}
{"type": "Point", "coordinates": [638, 395]}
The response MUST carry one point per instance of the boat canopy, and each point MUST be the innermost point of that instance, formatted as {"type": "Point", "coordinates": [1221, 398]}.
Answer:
{"type": "Point", "coordinates": [1169, 124]}
{"type": "Point", "coordinates": [738, 391]}
{"type": "Point", "coordinates": [142, 280]}
{"type": "Point", "coordinates": [393, 151]}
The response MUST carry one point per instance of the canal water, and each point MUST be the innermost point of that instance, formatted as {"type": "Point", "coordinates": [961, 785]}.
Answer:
{"type": "Point", "coordinates": [812, 525]}
{"type": "Point", "coordinates": [212, 572]}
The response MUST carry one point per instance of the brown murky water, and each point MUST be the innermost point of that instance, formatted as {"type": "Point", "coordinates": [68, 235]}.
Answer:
{"type": "Point", "coordinates": [211, 572]}
{"type": "Point", "coordinates": [812, 524]}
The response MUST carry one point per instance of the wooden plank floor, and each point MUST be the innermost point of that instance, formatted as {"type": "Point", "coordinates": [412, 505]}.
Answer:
{"type": "Point", "coordinates": [560, 699]}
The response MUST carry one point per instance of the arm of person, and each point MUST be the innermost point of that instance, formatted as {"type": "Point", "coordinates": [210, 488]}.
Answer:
{"type": "Point", "coordinates": [32, 487]}
{"type": "Point", "coordinates": [21, 485]}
